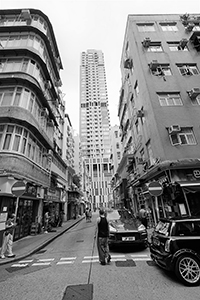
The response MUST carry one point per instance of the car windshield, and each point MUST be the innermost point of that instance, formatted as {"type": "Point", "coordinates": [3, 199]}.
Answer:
{"type": "Point", "coordinates": [123, 216]}
{"type": "Point", "coordinates": [163, 228]}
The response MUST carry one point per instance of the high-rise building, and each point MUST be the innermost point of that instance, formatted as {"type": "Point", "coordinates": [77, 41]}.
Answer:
{"type": "Point", "coordinates": [31, 118]}
{"type": "Point", "coordinates": [95, 125]}
{"type": "Point", "coordinates": [159, 109]}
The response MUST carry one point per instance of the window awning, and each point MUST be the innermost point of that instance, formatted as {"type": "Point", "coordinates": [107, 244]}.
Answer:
{"type": "Point", "coordinates": [190, 186]}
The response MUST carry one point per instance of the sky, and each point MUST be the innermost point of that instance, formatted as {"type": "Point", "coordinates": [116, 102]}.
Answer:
{"type": "Point", "coordinates": [95, 24]}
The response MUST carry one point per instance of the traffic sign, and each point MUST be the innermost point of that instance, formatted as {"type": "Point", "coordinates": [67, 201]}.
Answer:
{"type": "Point", "coordinates": [155, 188]}
{"type": "Point", "coordinates": [18, 188]}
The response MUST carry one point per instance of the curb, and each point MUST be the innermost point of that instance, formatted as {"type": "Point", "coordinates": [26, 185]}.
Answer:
{"type": "Point", "coordinates": [41, 246]}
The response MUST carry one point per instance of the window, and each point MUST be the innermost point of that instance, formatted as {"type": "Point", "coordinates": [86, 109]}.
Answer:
{"type": "Point", "coordinates": [146, 27]}
{"type": "Point", "coordinates": [136, 88]}
{"type": "Point", "coordinates": [175, 46]}
{"type": "Point", "coordinates": [17, 137]}
{"type": "Point", "coordinates": [184, 137]}
{"type": "Point", "coordinates": [188, 69]}
{"type": "Point", "coordinates": [196, 101]}
{"type": "Point", "coordinates": [7, 97]}
{"type": "Point", "coordinates": [118, 155]}
{"type": "Point", "coordinates": [117, 145]}
{"type": "Point", "coordinates": [170, 99]}
{"type": "Point", "coordinates": [169, 26]}
{"type": "Point", "coordinates": [155, 47]}
{"type": "Point", "coordinates": [8, 136]}
{"type": "Point", "coordinates": [116, 134]}
{"type": "Point", "coordinates": [162, 70]}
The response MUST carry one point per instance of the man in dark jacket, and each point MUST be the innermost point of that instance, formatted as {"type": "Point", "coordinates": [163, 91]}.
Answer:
{"type": "Point", "coordinates": [102, 238]}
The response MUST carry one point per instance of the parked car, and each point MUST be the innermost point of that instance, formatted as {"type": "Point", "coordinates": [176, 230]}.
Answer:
{"type": "Point", "coordinates": [125, 229]}
{"type": "Point", "coordinates": [175, 246]}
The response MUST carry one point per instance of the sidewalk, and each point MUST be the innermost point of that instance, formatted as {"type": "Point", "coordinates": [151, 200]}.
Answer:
{"type": "Point", "coordinates": [33, 243]}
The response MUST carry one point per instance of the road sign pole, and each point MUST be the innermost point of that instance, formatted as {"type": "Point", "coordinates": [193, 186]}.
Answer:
{"type": "Point", "coordinates": [157, 208]}
{"type": "Point", "coordinates": [16, 207]}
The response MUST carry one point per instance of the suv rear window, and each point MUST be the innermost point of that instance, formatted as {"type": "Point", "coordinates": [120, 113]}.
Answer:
{"type": "Point", "coordinates": [163, 228]}
{"type": "Point", "coordinates": [189, 228]}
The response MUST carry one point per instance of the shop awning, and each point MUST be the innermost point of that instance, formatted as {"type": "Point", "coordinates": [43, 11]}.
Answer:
{"type": "Point", "coordinates": [190, 186]}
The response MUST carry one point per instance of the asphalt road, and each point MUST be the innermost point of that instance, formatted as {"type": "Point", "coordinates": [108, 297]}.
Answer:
{"type": "Point", "coordinates": [68, 269]}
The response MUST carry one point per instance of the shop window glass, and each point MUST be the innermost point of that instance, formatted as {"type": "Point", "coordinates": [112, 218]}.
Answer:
{"type": "Point", "coordinates": [31, 101]}
{"type": "Point", "coordinates": [8, 136]}
{"type": "Point", "coordinates": [24, 141]}
{"type": "Point", "coordinates": [9, 66]}
{"type": "Point", "coordinates": [24, 65]}
{"type": "Point", "coordinates": [25, 98]}
{"type": "Point", "coordinates": [30, 40]}
{"type": "Point", "coordinates": [17, 97]}
{"type": "Point", "coordinates": [7, 98]}
{"type": "Point", "coordinates": [24, 39]}
{"type": "Point", "coordinates": [17, 137]}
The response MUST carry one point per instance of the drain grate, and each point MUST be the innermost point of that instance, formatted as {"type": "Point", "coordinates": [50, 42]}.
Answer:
{"type": "Point", "coordinates": [151, 263]}
{"type": "Point", "coordinates": [79, 292]}
{"type": "Point", "coordinates": [41, 251]}
{"type": "Point", "coordinates": [80, 241]}
{"type": "Point", "coordinates": [126, 263]}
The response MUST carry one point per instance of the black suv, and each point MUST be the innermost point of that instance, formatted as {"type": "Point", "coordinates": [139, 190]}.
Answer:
{"type": "Point", "coordinates": [175, 246]}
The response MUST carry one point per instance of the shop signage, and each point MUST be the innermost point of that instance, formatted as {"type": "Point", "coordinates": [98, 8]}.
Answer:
{"type": "Point", "coordinates": [196, 173]}
{"type": "Point", "coordinates": [155, 188]}
{"type": "Point", "coordinates": [18, 188]}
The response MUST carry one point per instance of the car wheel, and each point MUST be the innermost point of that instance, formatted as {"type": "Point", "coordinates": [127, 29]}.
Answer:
{"type": "Point", "coordinates": [187, 269]}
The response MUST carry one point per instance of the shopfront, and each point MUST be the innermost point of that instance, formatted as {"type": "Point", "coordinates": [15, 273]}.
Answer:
{"type": "Point", "coordinates": [181, 189]}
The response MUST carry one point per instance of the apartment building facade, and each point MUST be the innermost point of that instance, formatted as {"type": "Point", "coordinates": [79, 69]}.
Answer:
{"type": "Point", "coordinates": [159, 109]}
{"type": "Point", "coordinates": [95, 125]}
{"type": "Point", "coordinates": [31, 118]}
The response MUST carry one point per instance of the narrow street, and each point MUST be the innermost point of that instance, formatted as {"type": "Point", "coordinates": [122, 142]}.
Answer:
{"type": "Point", "coordinates": [68, 268]}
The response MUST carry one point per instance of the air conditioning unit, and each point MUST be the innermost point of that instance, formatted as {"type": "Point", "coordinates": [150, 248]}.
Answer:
{"type": "Point", "coordinates": [189, 27]}
{"type": "Point", "coordinates": [140, 113]}
{"type": "Point", "coordinates": [25, 14]}
{"type": "Point", "coordinates": [50, 152]}
{"type": "Point", "coordinates": [146, 42]}
{"type": "Point", "coordinates": [194, 93]}
{"type": "Point", "coordinates": [140, 161]}
{"type": "Point", "coordinates": [50, 123]}
{"type": "Point", "coordinates": [128, 63]}
{"type": "Point", "coordinates": [44, 112]}
{"type": "Point", "coordinates": [154, 65]}
{"type": "Point", "coordinates": [174, 129]}
{"type": "Point", "coordinates": [48, 85]}
{"type": "Point", "coordinates": [183, 43]}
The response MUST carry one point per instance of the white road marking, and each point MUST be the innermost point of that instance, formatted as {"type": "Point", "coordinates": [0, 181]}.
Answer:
{"type": "Point", "coordinates": [67, 258]}
{"type": "Point", "coordinates": [142, 258]}
{"type": "Point", "coordinates": [90, 257]}
{"type": "Point", "coordinates": [41, 264]}
{"type": "Point", "coordinates": [19, 265]}
{"type": "Point", "coordinates": [140, 255]}
{"type": "Point", "coordinates": [117, 256]}
{"type": "Point", "coordinates": [46, 259]}
{"type": "Point", "coordinates": [25, 261]}
{"type": "Point", "coordinates": [118, 259]}
{"type": "Point", "coordinates": [90, 261]}
{"type": "Point", "coordinates": [65, 262]}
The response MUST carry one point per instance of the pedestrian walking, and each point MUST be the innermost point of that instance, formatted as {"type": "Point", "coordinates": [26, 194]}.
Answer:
{"type": "Point", "coordinates": [46, 222]}
{"type": "Point", "coordinates": [143, 215]}
{"type": "Point", "coordinates": [7, 243]}
{"type": "Point", "coordinates": [102, 231]}
{"type": "Point", "coordinates": [90, 215]}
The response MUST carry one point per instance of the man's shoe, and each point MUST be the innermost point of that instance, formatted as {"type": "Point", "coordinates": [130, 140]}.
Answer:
{"type": "Point", "coordinates": [109, 259]}
{"type": "Point", "coordinates": [2, 256]}
{"type": "Point", "coordinates": [103, 263]}
{"type": "Point", "coordinates": [11, 256]}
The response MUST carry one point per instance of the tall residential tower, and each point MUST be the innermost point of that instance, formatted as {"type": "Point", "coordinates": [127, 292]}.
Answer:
{"type": "Point", "coordinates": [95, 125]}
